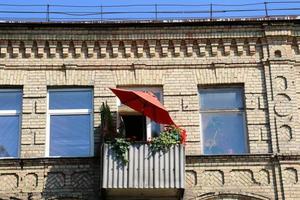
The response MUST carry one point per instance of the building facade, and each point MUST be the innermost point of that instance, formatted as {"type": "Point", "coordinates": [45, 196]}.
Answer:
{"type": "Point", "coordinates": [233, 85]}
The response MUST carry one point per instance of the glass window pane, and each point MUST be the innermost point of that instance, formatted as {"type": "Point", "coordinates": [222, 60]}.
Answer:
{"type": "Point", "coordinates": [230, 98]}
{"type": "Point", "coordinates": [9, 136]}
{"type": "Point", "coordinates": [155, 129]}
{"type": "Point", "coordinates": [70, 135]}
{"type": "Point", "coordinates": [10, 100]}
{"type": "Point", "coordinates": [70, 99]}
{"type": "Point", "coordinates": [158, 95]}
{"type": "Point", "coordinates": [223, 133]}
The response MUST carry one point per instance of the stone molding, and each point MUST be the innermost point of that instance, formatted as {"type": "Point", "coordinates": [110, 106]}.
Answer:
{"type": "Point", "coordinates": [111, 49]}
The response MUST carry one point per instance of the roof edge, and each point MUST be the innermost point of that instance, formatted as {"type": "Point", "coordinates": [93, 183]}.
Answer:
{"type": "Point", "coordinates": [188, 22]}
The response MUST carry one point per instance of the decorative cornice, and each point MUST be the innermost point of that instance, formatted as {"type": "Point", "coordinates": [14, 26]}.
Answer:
{"type": "Point", "coordinates": [111, 49]}
{"type": "Point", "coordinates": [132, 66]}
{"type": "Point", "coordinates": [130, 33]}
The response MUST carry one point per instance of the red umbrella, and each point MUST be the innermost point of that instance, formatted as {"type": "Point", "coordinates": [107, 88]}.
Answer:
{"type": "Point", "coordinates": [145, 103]}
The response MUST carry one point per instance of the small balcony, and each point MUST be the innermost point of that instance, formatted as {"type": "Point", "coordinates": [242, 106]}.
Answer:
{"type": "Point", "coordinates": [146, 174]}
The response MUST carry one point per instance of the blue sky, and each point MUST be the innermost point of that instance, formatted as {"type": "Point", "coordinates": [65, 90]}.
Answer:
{"type": "Point", "coordinates": [111, 2]}
{"type": "Point", "coordinates": [149, 8]}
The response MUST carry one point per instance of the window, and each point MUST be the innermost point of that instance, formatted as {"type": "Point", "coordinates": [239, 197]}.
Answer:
{"type": "Point", "coordinates": [133, 123]}
{"type": "Point", "coordinates": [10, 121]}
{"type": "Point", "coordinates": [223, 121]}
{"type": "Point", "coordinates": [70, 123]}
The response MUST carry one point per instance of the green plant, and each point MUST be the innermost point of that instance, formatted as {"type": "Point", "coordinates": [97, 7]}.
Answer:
{"type": "Point", "coordinates": [166, 139]}
{"type": "Point", "coordinates": [121, 146]}
{"type": "Point", "coordinates": [107, 123]}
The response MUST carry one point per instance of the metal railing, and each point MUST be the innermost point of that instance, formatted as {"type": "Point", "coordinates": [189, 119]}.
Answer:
{"type": "Point", "coordinates": [144, 169]}
{"type": "Point", "coordinates": [139, 12]}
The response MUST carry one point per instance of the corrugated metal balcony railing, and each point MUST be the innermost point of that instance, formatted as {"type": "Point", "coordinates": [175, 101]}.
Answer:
{"type": "Point", "coordinates": [144, 169]}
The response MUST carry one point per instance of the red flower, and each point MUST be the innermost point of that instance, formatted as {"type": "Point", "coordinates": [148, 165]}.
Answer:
{"type": "Point", "coordinates": [183, 136]}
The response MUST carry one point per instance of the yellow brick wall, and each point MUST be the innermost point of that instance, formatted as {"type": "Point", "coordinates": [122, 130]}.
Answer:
{"type": "Point", "coordinates": [180, 59]}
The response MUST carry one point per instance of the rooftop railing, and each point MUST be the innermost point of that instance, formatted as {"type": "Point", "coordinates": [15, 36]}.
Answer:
{"type": "Point", "coordinates": [140, 12]}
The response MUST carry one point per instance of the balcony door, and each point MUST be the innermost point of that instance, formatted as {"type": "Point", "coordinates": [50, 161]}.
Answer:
{"type": "Point", "coordinates": [134, 125]}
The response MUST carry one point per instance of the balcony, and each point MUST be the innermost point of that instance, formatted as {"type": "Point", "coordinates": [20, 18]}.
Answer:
{"type": "Point", "coordinates": [145, 173]}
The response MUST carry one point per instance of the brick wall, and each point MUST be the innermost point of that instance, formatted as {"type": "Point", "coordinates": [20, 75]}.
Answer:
{"type": "Point", "coordinates": [180, 59]}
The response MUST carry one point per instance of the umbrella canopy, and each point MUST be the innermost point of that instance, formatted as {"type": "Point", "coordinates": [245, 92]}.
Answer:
{"type": "Point", "coordinates": [145, 103]}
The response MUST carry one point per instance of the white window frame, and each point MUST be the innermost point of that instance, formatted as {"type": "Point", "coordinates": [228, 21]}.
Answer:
{"type": "Point", "coordinates": [222, 111]}
{"type": "Point", "coordinates": [69, 112]}
{"type": "Point", "coordinates": [14, 113]}
{"type": "Point", "coordinates": [148, 120]}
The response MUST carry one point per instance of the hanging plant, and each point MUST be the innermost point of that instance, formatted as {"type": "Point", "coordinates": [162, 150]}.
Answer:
{"type": "Point", "coordinates": [172, 135]}
{"type": "Point", "coordinates": [163, 142]}
{"type": "Point", "coordinates": [120, 146]}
